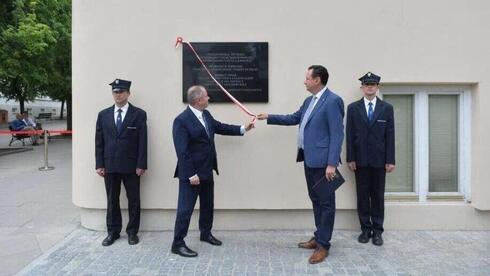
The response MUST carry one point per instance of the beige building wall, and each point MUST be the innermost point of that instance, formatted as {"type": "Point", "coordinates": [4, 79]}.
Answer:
{"type": "Point", "coordinates": [261, 185]}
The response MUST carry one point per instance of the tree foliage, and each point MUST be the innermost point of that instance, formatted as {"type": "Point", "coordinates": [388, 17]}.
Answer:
{"type": "Point", "coordinates": [35, 50]}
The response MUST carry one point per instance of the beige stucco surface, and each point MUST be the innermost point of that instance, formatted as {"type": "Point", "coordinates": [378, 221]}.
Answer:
{"type": "Point", "coordinates": [405, 42]}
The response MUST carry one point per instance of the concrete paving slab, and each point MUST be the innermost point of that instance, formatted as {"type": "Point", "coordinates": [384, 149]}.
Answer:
{"type": "Point", "coordinates": [270, 253]}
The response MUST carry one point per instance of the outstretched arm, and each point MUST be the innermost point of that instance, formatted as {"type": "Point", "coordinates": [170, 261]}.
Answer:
{"type": "Point", "coordinates": [284, 120]}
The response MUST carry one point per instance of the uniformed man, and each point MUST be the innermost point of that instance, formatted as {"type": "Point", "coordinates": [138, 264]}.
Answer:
{"type": "Point", "coordinates": [120, 155]}
{"type": "Point", "coordinates": [370, 154]}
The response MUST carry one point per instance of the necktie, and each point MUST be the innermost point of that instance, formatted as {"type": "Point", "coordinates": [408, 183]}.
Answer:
{"type": "Point", "coordinates": [205, 125]}
{"type": "Point", "coordinates": [303, 123]}
{"type": "Point", "coordinates": [370, 111]}
{"type": "Point", "coordinates": [119, 120]}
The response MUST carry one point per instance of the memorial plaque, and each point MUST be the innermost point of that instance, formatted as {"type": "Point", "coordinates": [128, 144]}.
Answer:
{"type": "Point", "coordinates": [240, 67]}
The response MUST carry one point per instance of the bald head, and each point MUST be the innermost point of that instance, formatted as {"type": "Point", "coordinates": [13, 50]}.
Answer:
{"type": "Point", "coordinates": [194, 93]}
{"type": "Point", "coordinates": [197, 96]}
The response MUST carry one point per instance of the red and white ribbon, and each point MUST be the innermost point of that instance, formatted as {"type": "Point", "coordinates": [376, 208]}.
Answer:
{"type": "Point", "coordinates": [179, 41]}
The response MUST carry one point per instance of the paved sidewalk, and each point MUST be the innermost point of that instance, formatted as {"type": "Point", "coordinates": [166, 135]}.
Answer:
{"type": "Point", "coordinates": [36, 211]}
{"type": "Point", "coordinates": [270, 253]}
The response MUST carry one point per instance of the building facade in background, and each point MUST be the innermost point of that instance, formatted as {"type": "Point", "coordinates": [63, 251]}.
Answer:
{"type": "Point", "coordinates": [42, 108]}
{"type": "Point", "coordinates": [433, 59]}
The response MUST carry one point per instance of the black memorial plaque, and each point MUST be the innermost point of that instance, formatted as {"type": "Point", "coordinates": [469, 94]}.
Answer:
{"type": "Point", "coordinates": [241, 67]}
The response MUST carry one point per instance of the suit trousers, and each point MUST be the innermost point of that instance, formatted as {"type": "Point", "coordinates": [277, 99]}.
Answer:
{"type": "Point", "coordinates": [113, 189]}
{"type": "Point", "coordinates": [323, 208]}
{"type": "Point", "coordinates": [370, 184]}
{"type": "Point", "coordinates": [187, 200]}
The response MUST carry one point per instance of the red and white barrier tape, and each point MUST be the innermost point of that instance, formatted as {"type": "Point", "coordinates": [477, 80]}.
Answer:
{"type": "Point", "coordinates": [179, 41]}
{"type": "Point", "coordinates": [34, 132]}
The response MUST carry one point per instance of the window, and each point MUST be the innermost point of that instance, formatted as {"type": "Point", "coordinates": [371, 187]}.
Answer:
{"type": "Point", "coordinates": [443, 143]}
{"type": "Point", "coordinates": [401, 180]}
{"type": "Point", "coordinates": [432, 142]}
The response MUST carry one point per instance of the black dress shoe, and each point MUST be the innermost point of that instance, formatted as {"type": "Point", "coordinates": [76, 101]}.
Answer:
{"type": "Point", "coordinates": [110, 239]}
{"type": "Point", "coordinates": [211, 240]}
{"type": "Point", "coordinates": [133, 239]}
{"type": "Point", "coordinates": [364, 237]}
{"type": "Point", "coordinates": [377, 240]}
{"type": "Point", "coordinates": [183, 251]}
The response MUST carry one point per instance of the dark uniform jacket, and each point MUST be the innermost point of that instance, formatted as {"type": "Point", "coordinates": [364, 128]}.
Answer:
{"type": "Point", "coordinates": [370, 143]}
{"type": "Point", "coordinates": [125, 151]}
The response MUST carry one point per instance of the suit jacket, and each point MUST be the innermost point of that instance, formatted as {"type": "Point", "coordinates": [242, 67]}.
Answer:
{"type": "Point", "coordinates": [370, 144]}
{"type": "Point", "coordinates": [125, 151]}
{"type": "Point", "coordinates": [196, 151]}
{"type": "Point", "coordinates": [324, 131]}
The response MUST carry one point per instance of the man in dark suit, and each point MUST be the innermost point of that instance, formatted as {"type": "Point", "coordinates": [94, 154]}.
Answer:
{"type": "Point", "coordinates": [120, 155]}
{"type": "Point", "coordinates": [320, 136]}
{"type": "Point", "coordinates": [370, 154]}
{"type": "Point", "coordinates": [193, 134]}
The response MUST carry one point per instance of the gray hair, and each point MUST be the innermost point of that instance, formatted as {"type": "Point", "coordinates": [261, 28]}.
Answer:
{"type": "Point", "coordinates": [194, 93]}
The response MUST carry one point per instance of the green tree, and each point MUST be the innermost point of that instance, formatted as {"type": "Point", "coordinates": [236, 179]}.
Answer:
{"type": "Point", "coordinates": [24, 46]}
{"type": "Point", "coordinates": [58, 86]}
{"type": "Point", "coordinates": [35, 51]}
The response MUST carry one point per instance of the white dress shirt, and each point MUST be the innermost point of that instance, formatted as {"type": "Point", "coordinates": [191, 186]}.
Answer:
{"type": "Point", "coordinates": [198, 114]}
{"type": "Point", "coordinates": [366, 104]}
{"type": "Point", "coordinates": [29, 122]}
{"type": "Point", "coordinates": [319, 95]}
{"type": "Point", "coordinates": [123, 113]}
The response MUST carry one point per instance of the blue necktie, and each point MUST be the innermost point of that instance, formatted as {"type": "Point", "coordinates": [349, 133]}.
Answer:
{"type": "Point", "coordinates": [303, 123]}
{"type": "Point", "coordinates": [205, 125]}
{"type": "Point", "coordinates": [370, 111]}
{"type": "Point", "coordinates": [119, 120]}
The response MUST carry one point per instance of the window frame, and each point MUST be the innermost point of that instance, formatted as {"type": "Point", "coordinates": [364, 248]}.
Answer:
{"type": "Point", "coordinates": [421, 140]}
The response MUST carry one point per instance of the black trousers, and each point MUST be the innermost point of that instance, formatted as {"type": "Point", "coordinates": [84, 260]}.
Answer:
{"type": "Point", "coordinates": [187, 200]}
{"type": "Point", "coordinates": [113, 189]}
{"type": "Point", "coordinates": [370, 184]}
{"type": "Point", "coordinates": [323, 208]}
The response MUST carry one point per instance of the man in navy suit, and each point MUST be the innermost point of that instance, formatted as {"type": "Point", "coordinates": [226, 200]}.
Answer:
{"type": "Point", "coordinates": [320, 136]}
{"type": "Point", "coordinates": [193, 134]}
{"type": "Point", "coordinates": [120, 155]}
{"type": "Point", "coordinates": [370, 154]}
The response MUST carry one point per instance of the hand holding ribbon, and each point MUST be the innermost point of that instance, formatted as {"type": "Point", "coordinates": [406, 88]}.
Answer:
{"type": "Point", "coordinates": [179, 41]}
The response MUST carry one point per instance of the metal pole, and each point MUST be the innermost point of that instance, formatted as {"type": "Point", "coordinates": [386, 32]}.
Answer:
{"type": "Point", "coordinates": [46, 166]}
